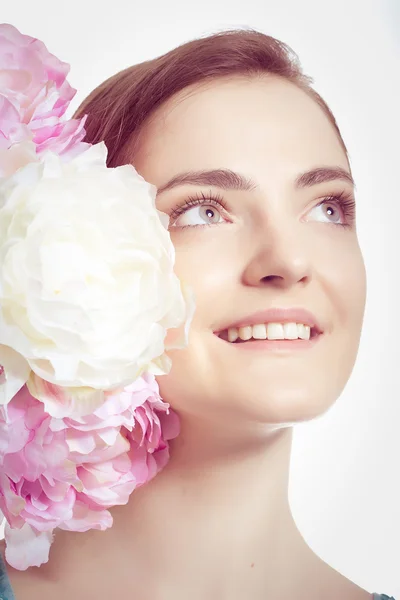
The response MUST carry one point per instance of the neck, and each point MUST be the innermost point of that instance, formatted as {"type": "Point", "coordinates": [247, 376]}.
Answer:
{"type": "Point", "coordinates": [216, 520]}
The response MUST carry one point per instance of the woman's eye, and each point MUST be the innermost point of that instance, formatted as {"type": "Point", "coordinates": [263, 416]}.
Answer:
{"type": "Point", "coordinates": [328, 211]}
{"type": "Point", "coordinates": [199, 215]}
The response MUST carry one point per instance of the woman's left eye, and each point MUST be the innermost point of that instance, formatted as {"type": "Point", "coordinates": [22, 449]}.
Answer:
{"type": "Point", "coordinates": [336, 210]}
{"type": "Point", "coordinates": [329, 211]}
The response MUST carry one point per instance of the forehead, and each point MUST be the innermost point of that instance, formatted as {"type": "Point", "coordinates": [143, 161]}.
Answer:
{"type": "Point", "coordinates": [262, 126]}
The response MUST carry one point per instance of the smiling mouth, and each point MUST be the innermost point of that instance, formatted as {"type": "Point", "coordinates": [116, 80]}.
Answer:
{"type": "Point", "coordinates": [270, 332]}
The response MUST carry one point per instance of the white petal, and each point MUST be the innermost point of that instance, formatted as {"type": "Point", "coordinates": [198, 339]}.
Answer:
{"type": "Point", "coordinates": [27, 548]}
{"type": "Point", "coordinates": [181, 340]}
{"type": "Point", "coordinates": [61, 402]}
{"type": "Point", "coordinates": [16, 157]}
{"type": "Point", "coordinates": [16, 371]}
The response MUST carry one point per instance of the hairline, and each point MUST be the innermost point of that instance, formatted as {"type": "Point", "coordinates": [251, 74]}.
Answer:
{"type": "Point", "coordinates": [132, 147]}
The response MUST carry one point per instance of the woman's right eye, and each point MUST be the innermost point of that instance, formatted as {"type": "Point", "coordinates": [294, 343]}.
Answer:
{"type": "Point", "coordinates": [199, 215]}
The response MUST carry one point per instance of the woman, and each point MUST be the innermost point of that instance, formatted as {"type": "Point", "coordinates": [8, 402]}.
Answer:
{"type": "Point", "coordinates": [251, 167]}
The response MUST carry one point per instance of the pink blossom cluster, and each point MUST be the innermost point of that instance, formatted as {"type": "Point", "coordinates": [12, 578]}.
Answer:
{"type": "Point", "coordinates": [34, 95]}
{"type": "Point", "coordinates": [67, 472]}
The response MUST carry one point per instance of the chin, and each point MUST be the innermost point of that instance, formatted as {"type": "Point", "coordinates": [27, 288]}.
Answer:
{"type": "Point", "coordinates": [256, 393]}
{"type": "Point", "coordinates": [279, 404]}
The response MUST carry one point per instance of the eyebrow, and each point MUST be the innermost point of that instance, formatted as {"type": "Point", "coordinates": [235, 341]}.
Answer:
{"type": "Point", "coordinates": [229, 180]}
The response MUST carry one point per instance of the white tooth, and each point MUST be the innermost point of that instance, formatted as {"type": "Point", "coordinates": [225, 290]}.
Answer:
{"type": "Point", "coordinates": [260, 332]}
{"type": "Point", "coordinates": [275, 331]}
{"type": "Point", "coordinates": [304, 332]}
{"type": "Point", "coordinates": [245, 333]}
{"type": "Point", "coordinates": [291, 331]}
{"type": "Point", "coordinates": [233, 334]}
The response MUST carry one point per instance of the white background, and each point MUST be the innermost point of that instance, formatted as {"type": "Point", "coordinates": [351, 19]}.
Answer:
{"type": "Point", "coordinates": [345, 476]}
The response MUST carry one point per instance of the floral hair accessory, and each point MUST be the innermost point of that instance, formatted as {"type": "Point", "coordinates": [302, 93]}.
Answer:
{"type": "Point", "coordinates": [87, 295]}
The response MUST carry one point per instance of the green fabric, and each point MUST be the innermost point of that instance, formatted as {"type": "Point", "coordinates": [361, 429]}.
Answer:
{"type": "Point", "coordinates": [6, 592]}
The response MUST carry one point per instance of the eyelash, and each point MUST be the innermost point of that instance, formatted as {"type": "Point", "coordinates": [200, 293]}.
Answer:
{"type": "Point", "coordinates": [344, 200]}
{"type": "Point", "coordinates": [201, 199]}
{"type": "Point", "coordinates": [346, 203]}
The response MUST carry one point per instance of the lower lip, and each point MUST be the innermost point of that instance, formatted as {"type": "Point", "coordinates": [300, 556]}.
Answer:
{"type": "Point", "coordinates": [278, 345]}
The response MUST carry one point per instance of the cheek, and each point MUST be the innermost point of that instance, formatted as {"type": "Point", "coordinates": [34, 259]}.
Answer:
{"type": "Point", "coordinates": [211, 270]}
{"type": "Point", "coordinates": [345, 276]}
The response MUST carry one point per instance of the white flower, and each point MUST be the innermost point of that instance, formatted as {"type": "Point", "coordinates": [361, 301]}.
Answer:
{"type": "Point", "coordinates": [87, 286]}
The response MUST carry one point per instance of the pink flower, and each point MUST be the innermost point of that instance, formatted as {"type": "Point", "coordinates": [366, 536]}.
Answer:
{"type": "Point", "coordinates": [67, 473]}
{"type": "Point", "coordinates": [34, 95]}
{"type": "Point", "coordinates": [11, 127]}
{"type": "Point", "coordinates": [36, 478]}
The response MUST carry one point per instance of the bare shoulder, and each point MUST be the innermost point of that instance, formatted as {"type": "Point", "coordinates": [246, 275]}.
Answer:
{"type": "Point", "coordinates": [334, 586]}
{"type": "Point", "coordinates": [320, 580]}
{"type": "Point", "coordinates": [348, 590]}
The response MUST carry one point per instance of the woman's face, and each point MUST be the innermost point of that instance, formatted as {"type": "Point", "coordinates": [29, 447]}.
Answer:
{"type": "Point", "coordinates": [264, 240]}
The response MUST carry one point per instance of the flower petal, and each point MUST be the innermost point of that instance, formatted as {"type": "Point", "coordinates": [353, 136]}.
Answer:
{"type": "Point", "coordinates": [63, 402]}
{"type": "Point", "coordinates": [27, 547]}
{"type": "Point", "coordinates": [14, 375]}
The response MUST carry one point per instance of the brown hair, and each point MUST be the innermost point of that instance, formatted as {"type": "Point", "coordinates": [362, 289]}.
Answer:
{"type": "Point", "coordinates": [118, 108]}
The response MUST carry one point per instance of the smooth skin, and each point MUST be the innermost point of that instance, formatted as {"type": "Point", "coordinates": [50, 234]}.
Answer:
{"type": "Point", "coordinates": [216, 523]}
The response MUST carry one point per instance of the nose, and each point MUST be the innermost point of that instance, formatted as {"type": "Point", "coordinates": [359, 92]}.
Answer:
{"type": "Point", "coordinates": [279, 258]}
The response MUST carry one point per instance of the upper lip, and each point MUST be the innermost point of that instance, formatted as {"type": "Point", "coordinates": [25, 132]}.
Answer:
{"type": "Point", "coordinates": [277, 315]}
